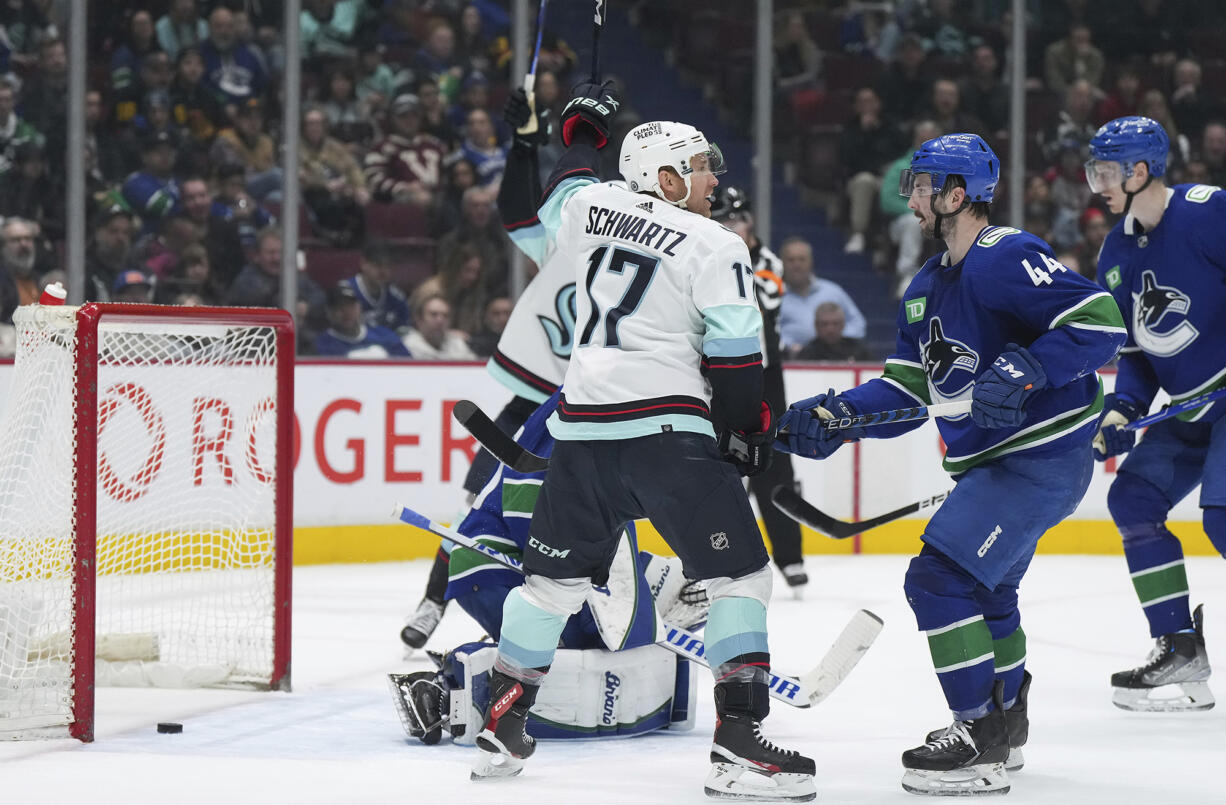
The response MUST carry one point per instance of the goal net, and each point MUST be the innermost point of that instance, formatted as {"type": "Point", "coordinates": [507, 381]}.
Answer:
{"type": "Point", "coordinates": [145, 506]}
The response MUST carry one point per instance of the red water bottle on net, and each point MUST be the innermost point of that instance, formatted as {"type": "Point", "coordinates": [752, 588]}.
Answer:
{"type": "Point", "coordinates": [53, 294]}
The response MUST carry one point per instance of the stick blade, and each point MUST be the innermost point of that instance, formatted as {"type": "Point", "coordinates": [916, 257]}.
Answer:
{"type": "Point", "coordinates": [843, 655]}
{"type": "Point", "coordinates": [789, 501]}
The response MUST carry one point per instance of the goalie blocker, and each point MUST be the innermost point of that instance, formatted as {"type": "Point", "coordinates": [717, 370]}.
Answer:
{"type": "Point", "coordinates": [588, 694]}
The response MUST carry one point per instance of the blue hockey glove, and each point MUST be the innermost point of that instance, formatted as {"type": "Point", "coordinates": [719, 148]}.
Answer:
{"type": "Point", "coordinates": [1001, 393]}
{"type": "Point", "coordinates": [591, 105]}
{"type": "Point", "coordinates": [1112, 439]}
{"type": "Point", "coordinates": [750, 452]}
{"type": "Point", "coordinates": [801, 431]}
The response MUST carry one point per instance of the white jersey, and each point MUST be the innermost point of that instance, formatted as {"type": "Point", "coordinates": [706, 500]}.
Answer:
{"type": "Point", "coordinates": [660, 291]}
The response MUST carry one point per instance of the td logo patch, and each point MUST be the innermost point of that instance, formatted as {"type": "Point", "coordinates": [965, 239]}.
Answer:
{"type": "Point", "coordinates": [915, 309]}
{"type": "Point", "coordinates": [1113, 278]}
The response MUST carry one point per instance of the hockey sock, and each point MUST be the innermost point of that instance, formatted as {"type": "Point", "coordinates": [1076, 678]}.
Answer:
{"type": "Point", "coordinates": [529, 638]}
{"type": "Point", "coordinates": [436, 585]}
{"type": "Point", "coordinates": [1010, 653]}
{"type": "Point", "coordinates": [1155, 562]}
{"type": "Point", "coordinates": [736, 627]}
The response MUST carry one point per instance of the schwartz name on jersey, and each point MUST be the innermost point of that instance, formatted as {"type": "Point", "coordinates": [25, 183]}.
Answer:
{"type": "Point", "coordinates": [956, 319]}
{"type": "Point", "coordinates": [1170, 284]}
{"type": "Point", "coordinates": [662, 295]}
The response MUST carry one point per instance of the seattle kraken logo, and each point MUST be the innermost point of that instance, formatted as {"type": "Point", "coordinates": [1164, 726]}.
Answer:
{"type": "Point", "coordinates": [1154, 305]}
{"type": "Point", "coordinates": [944, 355]}
{"type": "Point", "coordinates": [561, 333]}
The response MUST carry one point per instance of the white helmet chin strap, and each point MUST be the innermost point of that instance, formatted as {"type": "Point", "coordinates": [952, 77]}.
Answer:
{"type": "Point", "coordinates": [689, 188]}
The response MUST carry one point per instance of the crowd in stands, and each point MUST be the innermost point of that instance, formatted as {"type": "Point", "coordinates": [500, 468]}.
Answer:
{"type": "Point", "coordinates": [403, 145]}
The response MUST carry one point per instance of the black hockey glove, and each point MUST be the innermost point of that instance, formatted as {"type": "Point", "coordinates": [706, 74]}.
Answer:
{"type": "Point", "coordinates": [591, 105]}
{"type": "Point", "coordinates": [517, 113]}
{"type": "Point", "coordinates": [750, 452]}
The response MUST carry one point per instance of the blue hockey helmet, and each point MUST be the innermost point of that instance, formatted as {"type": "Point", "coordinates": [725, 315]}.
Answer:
{"type": "Point", "coordinates": [1126, 140]}
{"type": "Point", "coordinates": [965, 155]}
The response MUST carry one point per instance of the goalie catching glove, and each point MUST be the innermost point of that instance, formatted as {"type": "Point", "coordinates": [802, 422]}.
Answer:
{"type": "Point", "coordinates": [592, 106]}
{"type": "Point", "coordinates": [1112, 439]}
{"type": "Point", "coordinates": [750, 452]}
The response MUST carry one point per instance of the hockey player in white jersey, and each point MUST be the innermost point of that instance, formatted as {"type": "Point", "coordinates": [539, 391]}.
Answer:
{"type": "Point", "coordinates": [663, 291]}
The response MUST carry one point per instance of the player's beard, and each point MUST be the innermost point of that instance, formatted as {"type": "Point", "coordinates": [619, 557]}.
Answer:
{"type": "Point", "coordinates": [928, 226]}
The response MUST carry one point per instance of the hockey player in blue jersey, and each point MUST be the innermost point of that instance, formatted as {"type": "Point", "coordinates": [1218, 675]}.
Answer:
{"type": "Point", "coordinates": [1165, 264]}
{"type": "Point", "coordinates": [654, 690]}
{"type": "Point", "coordinates": [998, 321]}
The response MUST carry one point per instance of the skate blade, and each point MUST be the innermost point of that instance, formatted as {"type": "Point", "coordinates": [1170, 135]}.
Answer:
{"type": "Point", "coordinates": [730, 781]}
{"type": "Point", "coordinates": [1178, 697]}
{"type": "Point", "coordinates": [971, 781]}
{"type": "Point", "coordinates": [1016, 760]}
{"type": "Point", "coordinates": [494, 766]}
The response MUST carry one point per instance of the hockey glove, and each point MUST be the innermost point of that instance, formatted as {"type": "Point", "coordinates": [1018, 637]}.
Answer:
{"type": "Point", "coordinates": [1112, 439]}
{"type": "Point", "coordinates": [1001, 393]}
{"type": "Point", "coordinates": [591, 106]}
{"type": "Point", "coordinates": [750, 452]}
{"type": "Point", "coordinates": [517, 113]}
{"type": "Point", "coordinates": [801, 430]}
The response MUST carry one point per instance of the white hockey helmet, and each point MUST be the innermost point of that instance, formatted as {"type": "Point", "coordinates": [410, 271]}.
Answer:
{"type": "Point", "coordinates": [651, 146]}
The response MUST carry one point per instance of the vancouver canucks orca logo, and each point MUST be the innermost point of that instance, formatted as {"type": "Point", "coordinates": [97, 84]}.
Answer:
{"type": "Point", "coordinates": [561, 333]}
{"type": "Point", "coordinates": [942, 356]}
{"type": "Point", "coordinates": [1160, 323]}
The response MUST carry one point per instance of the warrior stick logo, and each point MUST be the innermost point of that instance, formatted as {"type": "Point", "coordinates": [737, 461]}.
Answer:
{"type": "Point", "coordinates": [942, 356]}
{"type": "Point", "coordinates": [1150, 307]}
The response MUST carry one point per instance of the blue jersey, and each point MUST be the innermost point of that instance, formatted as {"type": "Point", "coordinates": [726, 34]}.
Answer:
{"type": "Point", "coordinates": [956, 319]}
{"type": "Point", "coordinates": [371, 342]}
{"type": "Point", "coordinates": [1170, 284]}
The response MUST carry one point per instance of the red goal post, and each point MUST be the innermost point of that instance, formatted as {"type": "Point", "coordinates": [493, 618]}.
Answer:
{"type": "Point", "coordinates": [146, 476]}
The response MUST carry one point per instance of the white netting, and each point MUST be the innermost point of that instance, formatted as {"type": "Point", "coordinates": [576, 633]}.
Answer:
{"type": "Point", "coordinates": [185, 488]}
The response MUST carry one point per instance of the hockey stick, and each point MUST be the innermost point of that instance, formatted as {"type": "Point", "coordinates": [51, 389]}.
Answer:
{"type": "Point", "coordinates": [501, 446]}
{"type": "Point", "coordinates": [840, 658]}
{"type": "Point", "coordinates": [1169, 411]}
{"type": "Point", "coordinates": [789, 501]}
{"type": "Point", "coordinates": [955, 408]}
{"type": "Point", "coordinates": [597, 26]}
{"type": "Point", "coordinates": [530, 79]}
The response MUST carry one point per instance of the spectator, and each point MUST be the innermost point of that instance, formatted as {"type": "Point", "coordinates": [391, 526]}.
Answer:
{"type": "Point", "coordinates": [903, 88]}
{"type": "Point", "coordinates": [946, 108]}
{"type": "Point", "coordinates": [329, 28]}
{"type": "Point", "coordinates": [1152, 29]}
{"type": "Point", "coordinates": [493, 322]}
{"type": "Point", "coordinates": [480, 227]}
{"type": "Point", "coordinates": [19, 283]}
{"type": "Point", "coordinates": [44, 98]}
{"type": "Point", "coordinates": [434, 115]}
{"type": "Point", "coordinates": [160, 254]}
{"type": "Point", "coordinates": [1070, 260]}
{"type": "Point", "coordinates": [30, 191]}
{"type": "Point", "coordinates": [942, 31]}
{"type": "Point", "coordinates": [472, 45]}
{"type": "Point", "coordinates": [437, 59]}
{"type": "Point", "coordinates": [231, 68]}
{"type": "Point", "coordinates": [221, 235]}
{"type": "Point", "coordinates": [109, 253]}
{"type": "Point", "coordinates": [132, 286]}
{"type": "Point", "coordinates": [259, 285]}
{"type": "Point", "coordinates": [1191, 106]}
{"type": "Point", "coordinates": [798, 61]}
{"type": "Point", "coordinates": [114, 156]}
{"type": "Point", "coordinates": [1094, 229]}
{"type": "Point", "coordinates": [14, 131]}
{"type": "Point", "coordinates": [192, 276]}
{"type": "Point", "coordinates": [377, 80]}
{"type": "Point", "coordinates": [867, 146]}
{"type": "Point", "coordinates": [383, 304]}
{"type": "Point", "coordinates": [474, 94]}
{"type": "Point", "coordinates": [1074, 123]}
{"type": "Point", "coordinates": [348, 118]}
{"type": "Point", "coordinates": [141, 40]}
{"type": "Point", "coordinates": [431, 338]}
{"type": "Point", "coordinates": [1073, 59]}
{"type": "Point", "coordinates": [246, 144]}
{"type": "Point", "coordinates": [803, 293]}
{"type": "Point", "coordinates": [348, 336]}
{"type": "Point", "coordinates": [28, 25]}
{"type": "Point", "coordinates": [332, 184]}
{"type": "Point", "coordinates": [1124, 99]}
{"type": "Point", "coordinates": [904, 227]}
{"type": "Point", "coordinates": [194, 106]}
{"type": "Point", "coordinates": [830, 344]}
{"type": "Point", "coordinates": [1155, 107]}
{"type": "Point", "coordinates": [461, 281]}
{"type": "Point", "coordinates": [1213, 151]}
{"type": "Point", "coordinates": [1070, 194]}
{"type": "Point", "coordinates": [180, 27]}
{"type": "Point", "coordinates": [405, 167]}
{"type": "Point", "coordinates": [152, 192]}
{"type": "Point", "coordinates": [481, 148]}
{"type": "Point", "coordinates": [983, 95]}
{"type": "Point", "coordinates": [458, 176]}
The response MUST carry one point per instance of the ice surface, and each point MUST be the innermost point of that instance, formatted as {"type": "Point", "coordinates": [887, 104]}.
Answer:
{"type": "Point", "coordinates": [336, 738]}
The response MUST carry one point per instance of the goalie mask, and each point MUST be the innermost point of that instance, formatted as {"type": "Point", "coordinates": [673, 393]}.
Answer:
{"type": "Point", "coordinates": [662, 144]}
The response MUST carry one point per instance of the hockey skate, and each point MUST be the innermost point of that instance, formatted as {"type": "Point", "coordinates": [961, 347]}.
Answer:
{"type": "Point", "coordinates": [967, 759]}
{"type": "Point", "coordinates": [1173, 678]}
{"type": "Point", "coordinates": [503, 745]}
{"type": "Point", "coordinates": [1019, 727]}
{"type": "Point", "coordinates": [796, 578]}
{"type": "Point", "coordinates": [422, 624]}
{"type": "Point", "coordinates": [422, 703]}
{"type": "Point", "coordinates": [746, 766]}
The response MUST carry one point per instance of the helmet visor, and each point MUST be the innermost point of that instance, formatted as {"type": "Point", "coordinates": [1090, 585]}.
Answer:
{"type": "Point", "coordinates": [710, 161]}
{"type": "Point", "coordinates": [916, 184]}
{"type": "Point", "coordinates": [1103, 174]}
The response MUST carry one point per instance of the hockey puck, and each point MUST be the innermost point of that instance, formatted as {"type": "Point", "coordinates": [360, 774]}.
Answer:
{"type": "Point", "coordinates": [169, 727]}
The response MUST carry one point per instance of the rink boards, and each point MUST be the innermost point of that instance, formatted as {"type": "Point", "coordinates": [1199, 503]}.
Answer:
{"type": "Point", "coordinates": [370, 434]}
